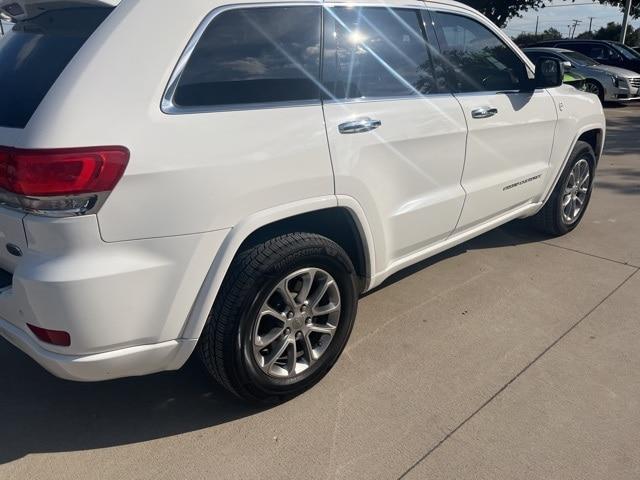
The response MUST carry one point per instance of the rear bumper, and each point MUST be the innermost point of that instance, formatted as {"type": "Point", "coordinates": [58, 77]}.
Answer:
{"type": "Point", "coordinates": [124, 305]}
{"type": "Point", "coordinates": [125, 362]}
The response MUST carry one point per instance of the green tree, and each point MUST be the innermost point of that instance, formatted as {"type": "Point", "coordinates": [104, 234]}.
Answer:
{"type": "Point", "coordinates": [525, 39]}
{"type": "Point", "coordinates": [500, 11]}
{"type": "Point", "coordinates": [635, 6]}
{"type": "Point", "coordinates": [586, 35]}
{"type": "Point", "coordinates": [612, 32]}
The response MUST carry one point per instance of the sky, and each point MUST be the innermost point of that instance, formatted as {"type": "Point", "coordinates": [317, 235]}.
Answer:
{"type": "Point", "coordinates": [560, 15]}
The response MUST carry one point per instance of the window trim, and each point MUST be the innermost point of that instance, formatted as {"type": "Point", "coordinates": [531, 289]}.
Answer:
{"type": "Point", "coordinates": [169, 107]}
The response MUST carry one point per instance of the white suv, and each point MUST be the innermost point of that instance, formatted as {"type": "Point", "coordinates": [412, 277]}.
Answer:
{"type": "Point", "coordinates": [229, 178]}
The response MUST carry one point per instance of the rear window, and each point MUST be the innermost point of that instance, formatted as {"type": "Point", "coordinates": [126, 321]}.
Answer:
{"type": "Point", "coordinates": [255, 55]}
{"type": "Point", "coordinates": [34, 54]}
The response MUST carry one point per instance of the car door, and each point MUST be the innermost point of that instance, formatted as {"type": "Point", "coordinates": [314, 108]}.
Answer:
{"type": "Point", "coordinates": [397, 143]}
{"type": "Point", "coordinates": [511, 128]}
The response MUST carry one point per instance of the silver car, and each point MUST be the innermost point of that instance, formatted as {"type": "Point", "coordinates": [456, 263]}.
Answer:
{"type": "Point", "coordinates": [611, 84]}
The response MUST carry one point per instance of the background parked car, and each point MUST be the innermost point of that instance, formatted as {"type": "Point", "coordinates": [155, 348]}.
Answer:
{"type": "Point", "coordinates": [611, 84]}
{"type": "Point", "coordinates": [606, 52]}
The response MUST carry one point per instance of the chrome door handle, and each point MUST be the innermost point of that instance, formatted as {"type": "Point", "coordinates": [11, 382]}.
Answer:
{"type": "Point", "coordinates": [360, 125]}
{"type": "Point", "coordinates": [484, 112]}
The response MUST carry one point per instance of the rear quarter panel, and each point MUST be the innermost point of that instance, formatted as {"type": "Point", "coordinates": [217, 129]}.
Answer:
{"type": "Point", "coordinates": [188, 173]}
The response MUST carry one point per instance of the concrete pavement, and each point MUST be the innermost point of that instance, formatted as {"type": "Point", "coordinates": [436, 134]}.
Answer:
{"type": "Point", "coordinates": [513, 356]}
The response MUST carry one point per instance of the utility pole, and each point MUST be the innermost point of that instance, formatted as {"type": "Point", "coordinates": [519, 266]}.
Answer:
{"type": "Point", "coordinates": [590, 24]}
{"type": "Point", "coordinates": [537, 20]}
{"type": "Point", "coordinates": [575, 24]}
{"type": "Point", "coordinates": [625, 21]}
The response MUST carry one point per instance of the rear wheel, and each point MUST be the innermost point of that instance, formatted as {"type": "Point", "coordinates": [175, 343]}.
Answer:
{"type": "Point", "coordinates": [282, 318]}
{"type": "Point", "coordinates": [570, 198]}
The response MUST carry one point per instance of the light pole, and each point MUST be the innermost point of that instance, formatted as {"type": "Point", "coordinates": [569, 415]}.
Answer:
{"type": "Point", "coordinates": [625, 21]}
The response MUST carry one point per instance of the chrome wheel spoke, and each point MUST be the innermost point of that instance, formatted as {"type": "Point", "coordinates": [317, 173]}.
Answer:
{"type": "Point", "coordinates": [275, 354]}
{"type": "Point", "coordinates": [287, 295]}
{"type": "Point", "coordinates": [585, 179]}
{"type": "Point", "coordinates": [320, 292]}
{"type": "Point", "coordinates": [326, 309]}
{"type": "Point", "coordinates": [267, 339]}
{"type": "Point", "coordinates": [269, 311]}
{"type": "Point", "coordinates": [308, 347]}
{"type": "Point", "coordinates": [307, 283]}
{"type": "Point", "coordinates": [292, 357]}
{"type": "Point", "coordinates": [326, 329]}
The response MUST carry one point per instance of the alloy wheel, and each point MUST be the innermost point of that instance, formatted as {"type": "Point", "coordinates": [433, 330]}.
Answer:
{"type": "Point", "coordinates": [296, 323]}
{"type": "Point", "coordinates": [575, 192]}
{"type": "Point", "coordinates": [591, 87]}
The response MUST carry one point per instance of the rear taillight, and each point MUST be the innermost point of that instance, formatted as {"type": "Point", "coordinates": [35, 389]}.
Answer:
{"type": "Point", "coordinates": [60, 182]}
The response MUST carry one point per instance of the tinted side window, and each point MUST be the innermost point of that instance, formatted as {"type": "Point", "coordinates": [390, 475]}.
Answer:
{"type": "Point", "coordinates": [33, 55]}
{"type": "Point", "coordinates": [477, 59]}
{"type": "Point", "coordinates": [578, 47]}
{"type": "Point", "coordinates": [599, 52]}
{"type": "Point", "coordinates": [376, 52]}
{"type": "Point", "coordinates": [603, 52]}
{"type": "Point", "coordinates": [254, 55]}
{"type": "Point", "coordinates": [534, 56]}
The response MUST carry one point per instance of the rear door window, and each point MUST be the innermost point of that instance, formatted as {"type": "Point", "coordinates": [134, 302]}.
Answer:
{"type": "Point", "coordinates": [34, 53]}
{"type": "Point", "coordinates": [255, 55]}
{"type": "Point", "coordinates": [374, 52]}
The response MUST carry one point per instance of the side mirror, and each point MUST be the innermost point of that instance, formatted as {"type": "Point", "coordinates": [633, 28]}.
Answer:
{"type": "Point", "coordinates": [567, 65]}
{"type": "Point", "coordinates": [549, 73]}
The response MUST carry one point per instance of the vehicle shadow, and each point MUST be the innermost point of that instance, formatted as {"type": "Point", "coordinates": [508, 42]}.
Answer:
{"type": "Point", "coordinates": [42, 414]}
{"type": "Point", "coordinates": [517, 232]}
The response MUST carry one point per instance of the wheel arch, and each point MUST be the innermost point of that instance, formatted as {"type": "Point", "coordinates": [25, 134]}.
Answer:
{"type": "Point", "coordinates": [323, 216]}
{"type": "Point", "coordinates": [594, 135]}
{"type": "Point", "coordinates": [595, 138]}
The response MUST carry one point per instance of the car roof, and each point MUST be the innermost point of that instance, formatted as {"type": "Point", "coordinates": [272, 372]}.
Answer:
{"type": "Point", "coordinates": [547, 49]}
{"type": "Point", "coordinates": [580, 40]}
{"type": "Point", "coordinates": [25, 9]}
{"type": "Point", "coordinates": [32, 6]}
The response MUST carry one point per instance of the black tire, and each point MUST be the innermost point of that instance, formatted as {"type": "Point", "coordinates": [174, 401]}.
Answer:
{"type": "Point", "coordinates": [225, 346]}
{"type": "Point", "coordinates": [550, 219]}
{"type": "Point", "coordinates": [596, 86]}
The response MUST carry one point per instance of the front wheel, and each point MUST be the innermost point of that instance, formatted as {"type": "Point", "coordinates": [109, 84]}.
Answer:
{"type": "Point", "coordinates": [282, 318]}
{"type": "Point", "coordinates": [594, 87]}
{"type": "Point", "coordinates": [570, 198]}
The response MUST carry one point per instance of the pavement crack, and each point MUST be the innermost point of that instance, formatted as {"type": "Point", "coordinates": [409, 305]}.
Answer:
{"type": "Point", "coordinates": [591, 255]}
{"type": "Point", "coordinates": [518, 375]}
